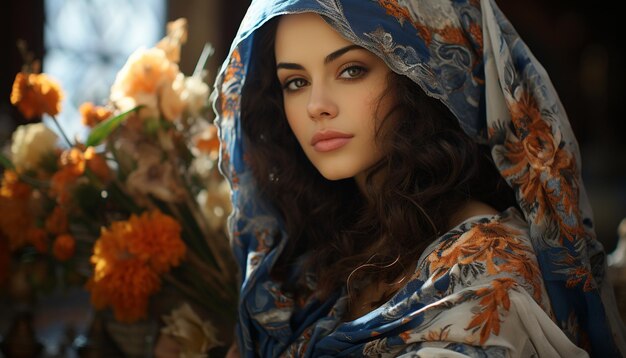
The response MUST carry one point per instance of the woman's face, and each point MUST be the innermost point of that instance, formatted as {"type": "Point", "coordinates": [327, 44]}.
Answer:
{"type": "Point", "coordinates": [332, 90]}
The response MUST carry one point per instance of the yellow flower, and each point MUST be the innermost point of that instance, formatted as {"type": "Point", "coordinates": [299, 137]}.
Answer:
{"type": "Point", "coordinates": [64, 247]}
{"type": "Point", "coordinates": [36, 94]}
{"type": "Point", "coordinates": [92, 115]}
{"type": "Point", "coordinates": [29, 143]}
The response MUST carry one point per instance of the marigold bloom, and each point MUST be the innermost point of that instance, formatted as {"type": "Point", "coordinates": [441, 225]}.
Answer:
{"type": "Point", "coordinates": [126, 289]}
{"type": "Point", "coordinates": [91, 115]}
{"type": "Point", "coordinates": [15, 212]}
{"type": "Point", "coordinates": [35, 94]}
{"type": "Point", "coordinates": [71, 166]}
{"type": "Point", "coordinates": [56, 223]}
{"type": "Point", "coordinates": [156, 240]}
{"type": "Point", "coordinates": [110, 248]}
{"type": "Point", "coordinates": [64, 247]}
{"type": "Point", "coordinates": [62, 183]}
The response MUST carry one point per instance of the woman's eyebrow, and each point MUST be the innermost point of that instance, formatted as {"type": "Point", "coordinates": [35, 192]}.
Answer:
{"type": "Point", "coordinates": [331, 57]}
{"type": "Point", "coordinates": [336, 54]}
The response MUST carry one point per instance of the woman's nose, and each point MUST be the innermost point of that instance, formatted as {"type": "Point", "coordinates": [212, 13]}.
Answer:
{"type": "Point", "coordinates": [321, 104]}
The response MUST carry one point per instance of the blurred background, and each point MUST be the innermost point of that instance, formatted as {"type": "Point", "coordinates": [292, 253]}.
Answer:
{"type": "Point", "coordinates": [83, 43]}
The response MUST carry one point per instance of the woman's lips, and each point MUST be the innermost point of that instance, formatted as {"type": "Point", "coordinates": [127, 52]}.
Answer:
{"type": "Point", "coordinates": [329, 140]}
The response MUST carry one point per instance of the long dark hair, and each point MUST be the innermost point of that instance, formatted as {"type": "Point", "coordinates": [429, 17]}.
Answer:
{"type": "Point", "coordinates": [342, 234]}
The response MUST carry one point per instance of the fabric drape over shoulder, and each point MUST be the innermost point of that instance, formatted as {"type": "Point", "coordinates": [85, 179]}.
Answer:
{"type": "Point", "coordinates": [509, 285]}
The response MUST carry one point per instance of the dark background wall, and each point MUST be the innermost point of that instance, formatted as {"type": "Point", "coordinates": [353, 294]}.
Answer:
{"type": "Point", "coordinates": [576, 42]}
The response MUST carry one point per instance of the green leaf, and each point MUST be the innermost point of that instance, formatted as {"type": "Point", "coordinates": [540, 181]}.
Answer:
{"type": "Point", "coordinates": [102, 130]}
{"type": "Point", "coordinates": [6, 162]}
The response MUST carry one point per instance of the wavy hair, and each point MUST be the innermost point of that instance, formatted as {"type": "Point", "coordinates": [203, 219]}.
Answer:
{"type": "Point", "coordinates": [346, 236]}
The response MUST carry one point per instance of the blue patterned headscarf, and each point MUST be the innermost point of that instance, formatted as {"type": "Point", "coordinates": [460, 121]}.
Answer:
{"type": "Point", "coordinates": [466, 54]}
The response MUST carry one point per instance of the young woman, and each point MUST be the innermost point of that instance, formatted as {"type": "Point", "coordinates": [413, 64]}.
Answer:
{"type": "Point", "coordinates": [405, 181]}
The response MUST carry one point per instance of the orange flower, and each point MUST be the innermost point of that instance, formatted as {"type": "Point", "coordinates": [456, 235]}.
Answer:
{"type": "Point", "coordinates": [156, 240]}
{"type": "Point", "coordinates": [12, 187]}
{"type": "Point", "coordinates": [74, 159]}
{"type": "Point", "coordinates": [56, 223]}
{"type": "Point", "coordinates": [126, 289]}
{"type": "Point", "coordinates": [71, 167]}
{"type": "Point", "coordinates": [110, 248]}
{"type": "Point", "coordinates": [61, 185]}
{"type": "Point", "coordinates": [128, 258]}
{"type": "Point", "coordinates": [92, 115]}
{"type": "Point", "coordinates": [97, 164]}
{"type": "Point", "coordinates": [15, 212]}
{"type": "Point", "coordinates": [36, 94]}
{"type": "Point", "coordinates": [64, 247]}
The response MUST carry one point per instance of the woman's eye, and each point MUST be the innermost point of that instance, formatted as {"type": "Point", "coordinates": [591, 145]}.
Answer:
{"type": "Point", "coordinates": [295, 84]}
{"type": "Point", "coordinates": [353, 72]}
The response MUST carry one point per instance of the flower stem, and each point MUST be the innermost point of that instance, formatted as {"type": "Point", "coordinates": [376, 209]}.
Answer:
{"type": "Point", "coordinates": [69, 143]}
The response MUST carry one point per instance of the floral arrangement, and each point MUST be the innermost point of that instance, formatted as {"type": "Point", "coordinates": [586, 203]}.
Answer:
{"type": "Point", "coordinates": [139, 204]}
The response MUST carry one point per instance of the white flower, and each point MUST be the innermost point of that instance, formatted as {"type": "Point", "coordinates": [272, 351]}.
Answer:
{"type": "Point", "coordinates": [195, 94]}
{"type": "Point", "coordinates": [29, 143]}
{"type": "Point", "coordinates": [195, 336]}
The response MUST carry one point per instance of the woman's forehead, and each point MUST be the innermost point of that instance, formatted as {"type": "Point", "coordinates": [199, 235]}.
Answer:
{"type": "Point", "coordinates": [305, 34]}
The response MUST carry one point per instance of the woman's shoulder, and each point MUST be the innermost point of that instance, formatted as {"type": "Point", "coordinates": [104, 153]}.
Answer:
{"type": "Point", "coordinates": [483, 249]}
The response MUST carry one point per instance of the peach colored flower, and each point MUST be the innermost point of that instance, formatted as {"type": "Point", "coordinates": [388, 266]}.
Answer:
{"type": "Point", "coordinates": [64, 247]}
{"type": "Point", "coordinates": [92, 115]}
{"type": "Point", "coordinates": [176, 37]}
{"type": "Point", "coordinates": [36, 94]}
{"type": "Point", "coordinates": [148, 79]}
